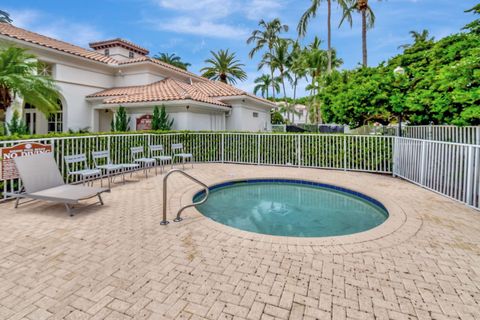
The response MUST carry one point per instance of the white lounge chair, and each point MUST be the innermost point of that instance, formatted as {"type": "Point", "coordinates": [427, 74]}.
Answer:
{"type": "Point", "coordinates": [42, 180]}
{"type": "Point", "coordinates": [177, 150]}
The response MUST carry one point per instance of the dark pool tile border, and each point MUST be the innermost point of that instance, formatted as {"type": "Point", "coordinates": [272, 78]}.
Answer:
{"type": "Point", "coordinates": [296, 181]}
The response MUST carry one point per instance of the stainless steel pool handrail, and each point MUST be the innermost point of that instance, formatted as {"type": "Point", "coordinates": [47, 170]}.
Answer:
{"type": "Point", "coordinates": [179, 218]}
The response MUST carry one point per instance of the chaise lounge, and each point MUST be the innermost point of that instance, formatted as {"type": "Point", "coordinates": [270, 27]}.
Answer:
{"type": "Point", "coordinates": [42, 180]}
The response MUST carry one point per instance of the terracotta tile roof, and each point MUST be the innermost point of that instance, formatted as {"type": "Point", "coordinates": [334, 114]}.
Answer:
{"type": "Point", "coordinates": [118, 41]}
{"type": "Point", "coordinates": [35, 38]}
{"type": "Point", "coordinates": [220, 89]}
{"type": "Point", "coordinates": [164, 90]}
{"type": "Point", "coordinates": [164, 64]}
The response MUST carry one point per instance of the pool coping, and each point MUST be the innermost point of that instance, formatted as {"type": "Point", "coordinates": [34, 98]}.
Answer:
{"type": "Point", "coordinates": [398, 226]}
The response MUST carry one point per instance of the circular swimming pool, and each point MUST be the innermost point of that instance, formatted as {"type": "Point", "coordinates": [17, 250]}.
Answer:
{"type": "Point", "coordinates": [291, 208]}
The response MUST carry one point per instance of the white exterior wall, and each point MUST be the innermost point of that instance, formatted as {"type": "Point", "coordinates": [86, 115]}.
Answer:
{"type": "Point", "coordinates": [195, 120]}
{"type": "Point", "coordinates": [242, 119]}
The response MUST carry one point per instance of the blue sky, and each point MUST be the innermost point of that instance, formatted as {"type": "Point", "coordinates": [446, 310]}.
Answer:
{"type": "Point", "coordinates": [191, 28]}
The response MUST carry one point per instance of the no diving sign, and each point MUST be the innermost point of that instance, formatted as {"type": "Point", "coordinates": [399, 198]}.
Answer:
{"type": "Point", "coordinates": [7, 154]}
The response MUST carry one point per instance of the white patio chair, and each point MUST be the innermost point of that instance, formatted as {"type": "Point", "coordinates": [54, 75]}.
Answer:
{"type": "Point", "coordinates": [77, 165]}
{"type": "Point", "coordinates": [177, 151]}
{"type": "Point", "coordinates": [145, 163]}
{"type": "Point", "coordinates": [41, 180]}
{"type": "Point", "coordinates": [157, 152]}
{"type": "Point", "coordinates": [102, 161]}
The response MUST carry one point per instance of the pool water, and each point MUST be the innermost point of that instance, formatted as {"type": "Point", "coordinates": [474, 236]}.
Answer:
{"type": "Point", "coordinates": [291, 208]}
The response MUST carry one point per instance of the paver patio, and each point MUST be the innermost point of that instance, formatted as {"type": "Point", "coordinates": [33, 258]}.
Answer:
{"type": "Point", "coordinates": [117, 262]}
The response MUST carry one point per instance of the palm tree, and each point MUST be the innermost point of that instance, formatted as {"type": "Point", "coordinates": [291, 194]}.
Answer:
{"type": "Point", "coordinates": [263, 84]}
{"type": "Point", "coordinates": [310, 13]}
{"type": "Point", "coordinates": [418, 37]}
{"type": "Point", "coordinates": [316, 61]}
{"type": "Point", "coordinates": [296, 67]}
{"type": "Point", "coordinates": [368, 21]}
{"type": "Point", "coordinates": [266, 37]}
{"type": "Point", "coordinates": [278, 60]}
{"type": "Point", "coordinates": [224, 67]}
{"type": "Point", "coordinates": [5, 17]}
{"type": "Point", "coordinates": [18, 76]}
{"type": "Point", "coordinates": [172, 59]}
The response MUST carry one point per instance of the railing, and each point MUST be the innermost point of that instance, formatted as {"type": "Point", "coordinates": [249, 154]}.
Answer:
{"type": "Point", "coordinates": [447, 168]}
{"type": "Point", "coordinates": [450, 169]}
{"type": "Point", "coordinates": [179, 213]}
{"type": "Point", "coordinates": [467, 134]}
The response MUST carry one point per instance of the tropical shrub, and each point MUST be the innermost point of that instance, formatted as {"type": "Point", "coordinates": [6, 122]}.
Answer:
{"type": "Point", "coordinates": [161, 120]}
{"type": "Point", "coordinates": [120, 121]}
{"type": "Point", "coordinates": [16, 126]}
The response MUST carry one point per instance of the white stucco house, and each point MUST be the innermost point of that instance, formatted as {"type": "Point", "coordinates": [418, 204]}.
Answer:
{"type": "Point", "coordinates": [94, 82]}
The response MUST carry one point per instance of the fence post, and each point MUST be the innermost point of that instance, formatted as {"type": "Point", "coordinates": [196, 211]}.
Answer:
{"type": "Point", "coordinates": [344, 153]}
{"type": "Point", "coordinates": [394, 156]}
{"type": "Point", "coordinates": [258, 148]}
{"type": "Point", "coordinates": [223, 148]}
{"type": "Point", "coordinates": [470, 176]}
{"type": "Point", "coordinates": [299, 148]}
{"type": "Point", "coordinates": [478, 135]}
{"type": "Point", "coordinates": [422, 163]}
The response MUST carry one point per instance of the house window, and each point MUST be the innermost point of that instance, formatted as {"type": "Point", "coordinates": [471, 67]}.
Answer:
{"type": "Point", "coordinates": [107, 52]}
{"type": "Point", "coordinates": [44, 69]}
{"type": "Point", "coordinates": [130, 54]}
{"type": "Point", "coordinates": [255, 114]}
{"type": "Point", "coordinates": [55, 120]}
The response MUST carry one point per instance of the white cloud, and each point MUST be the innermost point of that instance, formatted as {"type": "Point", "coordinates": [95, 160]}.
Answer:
{"type": "Point", "coordinates": [212, 18]}
{"type": "Point", "coordinates": [56, 27]}
{"type": "Point", "coordinates": [257, 9]}
{"type": "Point", "coordinates": [193, 26]}
{"type": "Point", "coordinates": [23, 18]}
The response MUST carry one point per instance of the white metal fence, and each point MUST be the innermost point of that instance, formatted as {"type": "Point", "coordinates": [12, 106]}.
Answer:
{"type": "Point", "coordinates": [447, 168]}
{"type": "Point", "coordinates": [468, 134]}
{"type": "Point", "coordinates": [451, 169]}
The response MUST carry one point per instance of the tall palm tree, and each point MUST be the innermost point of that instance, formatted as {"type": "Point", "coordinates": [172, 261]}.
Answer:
{"type": "Point", "coordinates": [310, 13]}
{"type": "Point", "coordinates": [263, 84]}
{"type": "Point", "coordinates": [278, 61]}
{"type": "Point", "coordinates": [19, 77]}
{"type": "Point", "coordinates": [5, 17]}
{"type": "Point", "coordinates": [224, 67]}
{"type": "Point", "coordinates": [172, 59]}
{"type": "Point", "coordinates": [368, 21]}
{"type": "Point", "coordinates": [265, 38]}
{"type": "Point", "coordinates": [296, 67]}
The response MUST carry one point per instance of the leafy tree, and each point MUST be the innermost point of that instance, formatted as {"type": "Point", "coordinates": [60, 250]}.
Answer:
{"type": "Point", "coordinates": [224, 67]}
{"type": "Point", "coordinates": [277, 118]}
{"type": "Point", "coordinates": [368, 21]}
{"type": "Point", "coordinates": [121, 120]}
{"type": "Point", "coordinates": [161, 120]}
{"type": "Point", "coordinates": [5, 17]}
{"type": "Point", "coordinates": [18, 76]}
{"type": "Point", "coordinates": [311, 12]}
{"type": "Point", "coordinates": [17, 126]}
{"type": "Point", "coordinates": [172, 59]}
{"type": "Point", "coordinates": [263, 84]}
{"type": "Point", "coordinates": [440, 85]}
{"type": "Point", "coordinates": [266, 37]}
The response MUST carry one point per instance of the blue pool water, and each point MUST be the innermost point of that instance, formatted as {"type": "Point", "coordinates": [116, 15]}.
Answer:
{"type": "Point", "coordinates": [291, 208]}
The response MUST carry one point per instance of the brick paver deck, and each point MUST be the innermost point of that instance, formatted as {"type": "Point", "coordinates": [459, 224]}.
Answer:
{"type": "Point", "coordinates": [117, 262]}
